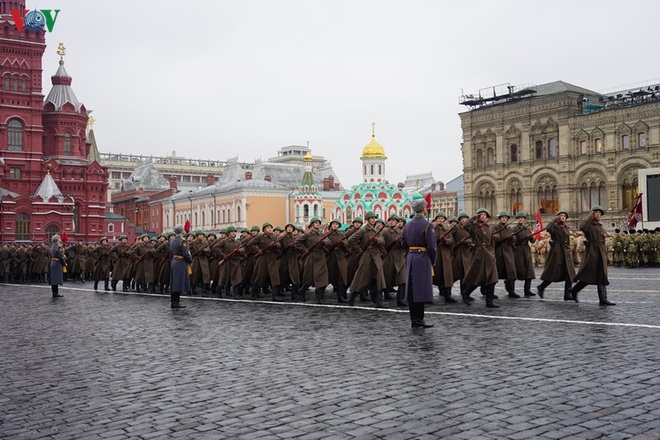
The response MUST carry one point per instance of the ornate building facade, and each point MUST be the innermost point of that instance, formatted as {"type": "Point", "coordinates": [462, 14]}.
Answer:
{"type": "Point", "coordinates": [48, 183]}
{"type": "Point", "coordinates": [375, 193]}
{"type": "Point", "coordinates": [558, 146]}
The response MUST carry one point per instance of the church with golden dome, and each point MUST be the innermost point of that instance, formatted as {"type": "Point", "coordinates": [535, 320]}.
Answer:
{"type": "Point", "coordinates": [375, 193]}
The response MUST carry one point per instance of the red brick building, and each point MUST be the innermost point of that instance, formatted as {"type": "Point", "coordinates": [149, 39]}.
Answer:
{"type": "Point", "coordinates": [50, 178]}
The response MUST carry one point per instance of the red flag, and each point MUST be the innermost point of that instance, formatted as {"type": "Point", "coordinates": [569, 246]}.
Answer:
{"type": "Point", "coordinates": [186, 227]}
{"type": "Point", "coordinates": [64, 238]}
{"type": "Point", "coordinates": [636, 214]}
{"type": "Point", "coordinates": [539, 224]}
{"type": "Point", "coordinates": [427, 199]}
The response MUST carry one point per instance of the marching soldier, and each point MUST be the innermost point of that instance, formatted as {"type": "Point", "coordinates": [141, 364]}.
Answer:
{"type": "Point", "coordinates": [462, 249]}
{"type": "Point", "coordinates": [443, 272]}
{"type": "Point", "coordinates": [483, 269]}
{"type": "Point", "coordinates": [288, 256]}
{"type": "Point", "coordinates": [369, 246]}
{"type": "Point", "coordinates": [394, 263]}
{"type": "Point", "coordinates": [504, 241]}
{"type": "Point", "coordinates": [266, 270]}
{"type": "Point", "coordinates": [523, 254]}
{"type": "Point", "coordinates": [5, 263]}
{"type": "Point", "coordinates": [201, 274]}
{"type": "Point", "coordinates": [249, 260]}
{"type": "Point", "coordinates": [312, 244]}
{"type": "Point", "coordinates": [230, 252]}
{"type": "Point", "coordinates": [336, 261]}
{"type": "Point", "coordinates": [560, 265]}
{"type": "Point", "coordinates": [103, 264]}
{"type": "Point", "coordinates": [594, 267]}
{"type": "Point", "coordinates": [121, 264]}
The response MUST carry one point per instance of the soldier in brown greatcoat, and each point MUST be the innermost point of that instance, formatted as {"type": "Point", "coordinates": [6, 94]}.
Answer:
{"type": "Point", "coordinates": [201, 274]}
{"type": "Point", "coordinates": [121, 264]}
{"type": "Point", "coordinates": [163, 266]}
{"type": "Point", "coordinates": [462, 249]}
{"type": "Point", "coordinates": [369, 274]}
{"type": "Point", "coordinates": [394, 263]}
{"type": "Point", "coordinates": [483, 269]}
{"type": "Point", "coordinates": [559, 265]}
{"type": "Point", "coordinates": [266, 270]}
{"type": "Point", "coordinates": [504, 240]}
{"type": "Point", "coordinates": [522, 252]}
{"type": "Point", "coordinates": [288, 256]}
{"type": "Point", "coordinates": [5, 263]}
{"type": "Point", "coordinates": [443, 274]}
{"type": "Point", "coordinates": [249, 259]}
{"type": "Point", "coordinates": [594, 266]}
{"type": "Point", "coordinates": [103, 264]}
{"type": "Point", "coordinates": [229, 253]}
{"type": "Point", "coordinates": [214, 269]}
{"type": "Point", "coordinates": [312, 245]}
{"type": "Point", "coordinates": [336, 261]}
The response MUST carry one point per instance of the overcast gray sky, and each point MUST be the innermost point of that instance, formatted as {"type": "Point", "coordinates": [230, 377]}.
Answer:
{"type": "Point", "coordinates": [218, 79]}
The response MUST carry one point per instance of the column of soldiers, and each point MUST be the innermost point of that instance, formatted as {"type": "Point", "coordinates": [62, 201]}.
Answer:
{"type": "Point", "coordinates": [362, 260]}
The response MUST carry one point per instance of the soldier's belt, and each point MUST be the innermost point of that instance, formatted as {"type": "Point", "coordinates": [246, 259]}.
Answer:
{"type": "Point", "coordinates": [418, 248]}
{"type": "Point", "coordinates": [178, 257]}
{"type": "Point", "coordinates": [54, 259]}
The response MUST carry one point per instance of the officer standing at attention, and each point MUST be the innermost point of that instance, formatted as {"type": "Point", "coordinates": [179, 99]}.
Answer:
{"type": "Point", "coordinates": [419, 239]}
{"type": "Point", "coordinates": [57, 264]}
{"type": "Point", "coordinates": [179, 276]}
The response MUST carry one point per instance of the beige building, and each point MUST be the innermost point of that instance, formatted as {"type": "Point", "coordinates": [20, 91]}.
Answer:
{"type": "Point", "coordinates": [558, 146]}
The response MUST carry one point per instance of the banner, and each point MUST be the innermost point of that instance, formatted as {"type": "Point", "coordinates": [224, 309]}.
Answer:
{"type": "Point", "coordinates": [636, 214]}
{"type": "Point", "coordinates": [539, 224]}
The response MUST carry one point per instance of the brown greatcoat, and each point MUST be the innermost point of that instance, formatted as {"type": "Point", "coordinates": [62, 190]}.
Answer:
{"type": "Point", "coordinates": [121, 266]}
{"type": "Point", "coordinates": [231, 271]}
{"type": "Point", "coordinates": [370, 269]}
{"type": "Point", "coordinates": [503, 240]}
{"type": "Point", "coordinates": [443, 273]}
{"type": "Point", "coordinates": [462, 252]}
{"type": "Point", "coordinates": [289, 265]}
{"type": "Point", "coordinates": [137, 251]}
{"type": "Point", "coordinates": [522, 252]}
{"type": "Point", "coordinates": [201, 273]}
{"type": "Point", "coordinates": [103, 263]}
{"type": "Point", "coordinates": [266, 266]}
{"type": "Point", "coordinates": [559, 265]}
{"type": "Point", "coordinates": [251, 249]}
{"type": "Point", "coordinates": [315, 266]}
{"type": "Point", "coordinates": [337, 263]}
{"type": "Point", "coordinates": [394, 263]}
{"type": "Point", "coordinates": [482, 270]}
{"type": "Point", "coordinates": [162, 263]}
{"type": "Point", "coordinates": [594, 265]}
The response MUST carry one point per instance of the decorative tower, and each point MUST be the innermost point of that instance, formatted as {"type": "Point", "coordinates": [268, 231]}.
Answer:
{"type": "Point", "coordinates": [307, 201]}
{"type": "Point", "coordinates": [373, 160]}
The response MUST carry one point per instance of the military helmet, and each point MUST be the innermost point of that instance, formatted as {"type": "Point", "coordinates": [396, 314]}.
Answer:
{"type": "Point", "coordinates": [212, 233]}
{"type": "Point", "coordinates": [255, 228]}
{"type": "Point", "coordinates": [122, 236]}
{"type": "Point", "coordinates": [230, 229]}
{"type": "Point", "coordinates": [246, 230]}
{"type": "Point", "coordinates": [314, 219]}
{"type": "Point", "coordinates": [380, 220]}
{"type": "Point", "coordinates": [484, 210]}
{"type": "Point", "coordinates": [103, 238]}
{"type": "Point", "coordinates": [503, 214]}
{"type": "Point", "coordinates": [521, 214]}
{"type": "Point", "coordinates": [598, 208]}
{"type": "Point", "coordinates": [453, 219]}
{"type": "Point", "coordinates": [440, 214]}
{"type": "Point", "coordinates": [463, 214]}
{"type": "Point", "coordinates": [561, 211]}
{"type": "Point", "coordinates": [277, 228]}
{"type": "Point", "coordinates": [369, 214]}
{"type": "Point", "coordinates": [266, 224]}
{"type": "Point", "coordinates": [334, 220]}
{"type": "Point", "coordinates": [357, 219]}
{"type": "Point", "coordinates": [393, 217]}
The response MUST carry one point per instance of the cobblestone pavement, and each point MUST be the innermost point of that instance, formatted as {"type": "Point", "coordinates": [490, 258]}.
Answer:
{"type": "Point", "coordinates": [112, 366]}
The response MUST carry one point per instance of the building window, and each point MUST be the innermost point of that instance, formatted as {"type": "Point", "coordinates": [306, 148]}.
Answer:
{"type": "Point", "coordinates": [598, 145]}
{"type": "Point", "coordinates": [516, 201]}
{"type": "Point", "coordinates": [641, 138]}
{"type": "Point", "coordinates": [229, 215]}
{"type": "Point", "coordinates": [480, 158]}
{"type": "Point", "coordinates": [67, 144]}
{"type": "Point", "coordinates": [552, 148]}
{"type": "Point", "coordinates": [111, 227]}
{"type": "Point", "coordinates": [625, 142]}
{"type": "Point", "coordinates": [583, 147]}
{"type": "Point", "coordinates": [15, 135]}
{"type": "Point", "coordinates": [539, 149]}
{"type": "Point", "coordinates": [238, 213]}
{"type": "Point", "coordinates": [487, 200]}
{"type": "Point", "coordinates": [15, 84]}
{"type": "Point", "coordinates": [305, 211]}
{"type": "Point", "coordinates": [52, 230]}
{"type": "Point", "coordinates": [14, 173]}
{"type": "Point", "coordinates": [593, 194]}
{"type": "Point", "coordinates": [23, 85]}
{"type": "Point", "coordinates": [548, 199]}
{"type": "Point", "coordinates": [22, 227]}
{"type": "Point", "coordinates": [629, 194]}
{"type": "Point", "coordinates": [7, 82]}
{"type": "Point", "coordinates": [490, 156]}
{"type": "Point", "coordinates": [514, 153]}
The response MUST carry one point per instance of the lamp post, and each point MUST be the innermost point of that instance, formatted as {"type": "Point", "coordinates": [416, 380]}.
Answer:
{"type": "Point", "coordinates": [2, 215]}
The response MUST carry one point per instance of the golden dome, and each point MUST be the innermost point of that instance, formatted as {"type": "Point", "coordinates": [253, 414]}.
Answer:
{"type": "Point", "coordinates": [373, 150]}
{"type": "Point", "coordinates": [308, 157]}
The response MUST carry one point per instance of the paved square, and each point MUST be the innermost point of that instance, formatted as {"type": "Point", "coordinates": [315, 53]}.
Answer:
{"type": "Point", "coordinates": [107, 365]}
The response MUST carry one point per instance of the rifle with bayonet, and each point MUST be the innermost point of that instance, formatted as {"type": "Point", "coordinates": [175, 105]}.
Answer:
{"type": "Point", "coordinates": [318, 242]}
{"type": "Point", "coordinates": [235, 251]}
{"type": "Point", "coordinates": [364, 248]}
{"type": "Point", "coordinates": [260, 252]}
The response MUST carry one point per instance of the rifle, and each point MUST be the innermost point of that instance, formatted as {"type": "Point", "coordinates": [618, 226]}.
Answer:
{"type": "Point", "coordinates": [506, 225]}
{"type": "Point", "coordinates": [199, 251]}
{"type": "Point", "coordinates": [441, 238]}
{"type": "Point", "coordinates": [390, 247]}
{"type": "Point", "coordinates": [334, 245]}
{"type": "Point", "coordinates": [369, 243]}
{"type": "Point", "coordinates": [518, 232]}
{"type": "Point", "coordinates": [527, 237]}
{"type": "Point", "coordinates": [260, 252]}
{"type": "Point", "coordinates": [312, 247]}
{"type": "Point", "coordinates": [235, 251]}
{"type": "Point", "coordinates": [463, 240]}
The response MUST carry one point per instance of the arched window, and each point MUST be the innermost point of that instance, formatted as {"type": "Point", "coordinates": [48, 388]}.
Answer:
{"type": "Point", "coordinates": [7, 82]}
{"type": "Point", "coordinates": [203, 218]}
{"type": "Point", "coordinates": [22, 227]}
{"type": "Point", "coordinates": [629, 193]}
{"type": "Point", "coordinates": [67, 144]}
{"type": "Point", "coordinates": [515, 200]}
{"type": "Point", "coordinates": [513, 150]}
{"type": "Point", "coordinates": [592, 194]}
{"type": "Point", "coordinates": [539, 149]}
{"type": "Point", "coordinates": [238, 214]}
{"type": "Point", "coordinates": [490, 156]}
{"type": "Point", "coordinates": [15, 135]}
{"type": "Point", "coordinates": [111, 228]}
{"type": "Point", "coordinates": [548, 198]}
{"type": "Point", "coordinates": [480, 158]}
{"type": "Point", "coordinates": [224, 216]}
{"type": "Point", "coordinates": [598, 145]}
{"type": "Point", "coordinates": [305, 211]}
{"type": "Point", "coordinates": [196, 221]}
{"type": "Point", "coordinates": [552, 148]}
{"type": "Point", "coordinates": [52, 230]}
{"type": "Point", "coordinates": [228, 215]}
{"type": "Point", "coordinates": [316, 210]}
{"type": "Point", "coordinates": [486, 198]}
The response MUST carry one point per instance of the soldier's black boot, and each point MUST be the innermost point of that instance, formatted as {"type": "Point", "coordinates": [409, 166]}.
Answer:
{"type": "Point", "coordinates": [253, 292]}
{"type": "Point", "coordinates": [465, 294]}
{"type": "Point", "coordinates": [446, 294]}
{"type": "Point", "coordinates": [351, 298]}
{"type": "Point", "coordinates": [490, 296]}
{"type": "Point", "coordinates": [176, 298]}
{"type": "Point", "coordinates": [106, 285]}
{"type": "Point", "coordinates": [294, 292]}
{"type": "Point", "coordinates": [541, 288]}
{"type": "Point", "coordinates": [401, 295]}
{"type": "Point", "coordinates": [575, 289]}
{"type": "Point", "coordinates": [55, 289]}
{"type": "Point", "coordinates": [341, 292]}
{"type": "Point", "coordinates": [510, 287]}
{"type": "Point", "coordinates": [377, 299]}
{"type": "Point", "coordinates": [237, 292]}
{"type": "Point", "coordinates": [276, 294]}
{"type": "Point", "coordinates": [387, 293]}
{"type": "Point", "coordinates": [363, 297]}
{"type": "Point", "coordinates": [602, 296]}
{"type": "Point", "coordinates": [96, 285]}
{"type": "Point", "coordinates": [114, 285]}
{"type": "Point", "coordinates": [319, 294]}
{"type": "Point", "coordinates": [568, 296]}
{"type": "Point", "coordinates": [302, 292]}
{"type": "Point", "coordinates": [528, 288]}
{"type": "Point", "coordinates": [125, 285]}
